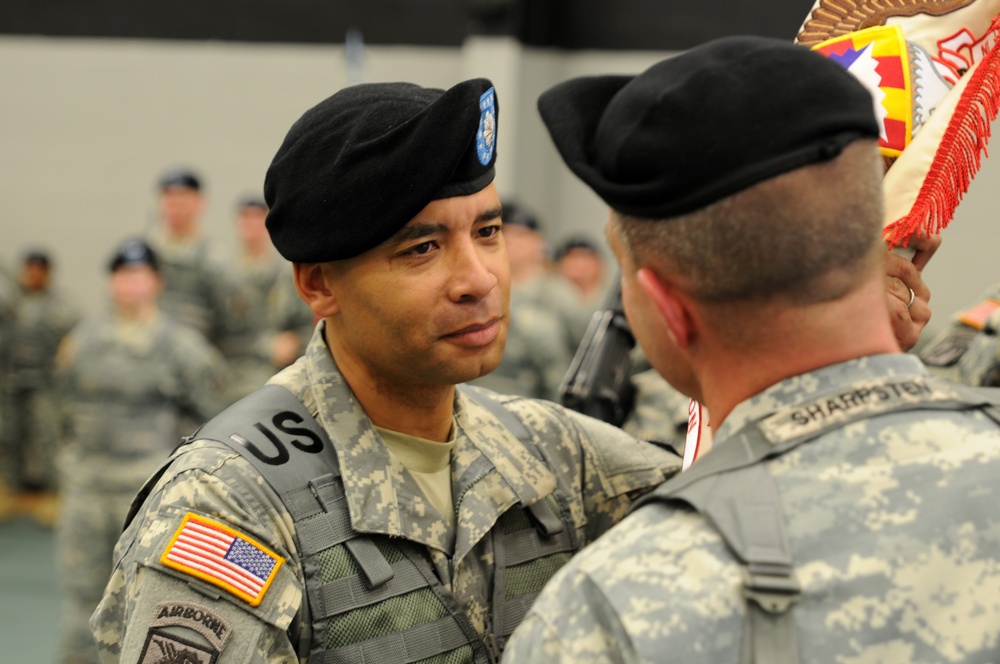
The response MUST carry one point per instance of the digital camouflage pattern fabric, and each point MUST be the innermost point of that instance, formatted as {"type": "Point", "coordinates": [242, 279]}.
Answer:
{"type": "Point", "coordinates": [893, 529]}
{"type": "Point", "coordinates": [598, 467]}
{"type": "Point", "coordinates": [128, 390]}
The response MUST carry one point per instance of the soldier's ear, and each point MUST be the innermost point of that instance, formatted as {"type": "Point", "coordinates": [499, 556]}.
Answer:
{"type": "Point", "coordinates": [311, 282]}
{"type": "Point", "coordinates": [670, 303]}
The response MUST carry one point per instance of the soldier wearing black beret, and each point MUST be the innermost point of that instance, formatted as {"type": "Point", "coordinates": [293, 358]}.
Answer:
{"type": "Point", "coordinates": [744, 183]}
{"type": "Point", "coordinates": [364, 506]}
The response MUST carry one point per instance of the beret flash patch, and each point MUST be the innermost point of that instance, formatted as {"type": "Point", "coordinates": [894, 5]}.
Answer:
{"type": "Point", "coordinates": [486, 134]}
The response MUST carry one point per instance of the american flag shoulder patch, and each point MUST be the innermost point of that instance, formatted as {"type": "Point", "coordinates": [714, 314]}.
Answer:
{"type": "Point", "coordinates": [978, 315]}
{"type": "Point", "coordinates": [214, 552]}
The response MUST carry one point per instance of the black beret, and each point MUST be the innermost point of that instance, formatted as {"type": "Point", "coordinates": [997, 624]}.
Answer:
{"type": "Point", "coordinates": [705, 124]}
{"type": "Point", "coordinates": [134, 251]}
{"type": "Point", "coordinates": [180, 177]}
{"type": "Point", "coordinates": [358, 166]}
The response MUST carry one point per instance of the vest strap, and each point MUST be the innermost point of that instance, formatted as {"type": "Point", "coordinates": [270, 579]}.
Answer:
{"type": "Point", "coordinates": [525, 545]}
{"type": "Point", "coordinates": [353, 592]}
{"type": "Point", "coordinates": [411, 645]}
{"type": "Point", "coordinates": [323, 531]}
{"type": "Point", "coordinates": [514, 610]}
{"type": "Point", "coordinates": [374, 567]}
{"type": "Point", "coordinates": [546, 520]}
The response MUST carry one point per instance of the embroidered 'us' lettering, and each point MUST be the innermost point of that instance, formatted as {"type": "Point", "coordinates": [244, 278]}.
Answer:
{"type": "Point", "coordinates": [280, 421]}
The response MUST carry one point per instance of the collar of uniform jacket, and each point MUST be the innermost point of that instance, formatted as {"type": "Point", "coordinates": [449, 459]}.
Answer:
{"type": "Point", "coordinates": [383, 497]}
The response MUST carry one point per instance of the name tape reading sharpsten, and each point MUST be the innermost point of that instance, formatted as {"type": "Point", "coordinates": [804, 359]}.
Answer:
{"type": "Point", "coordinates": [831, 409]}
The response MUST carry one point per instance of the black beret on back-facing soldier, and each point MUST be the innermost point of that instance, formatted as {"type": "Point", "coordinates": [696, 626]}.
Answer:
{"type": "Point", "coordinates": [358, 166]}
{"type": "Point", "coordinates": [705, 124]}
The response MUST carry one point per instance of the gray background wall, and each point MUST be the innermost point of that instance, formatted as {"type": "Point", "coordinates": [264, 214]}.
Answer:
{"type": "Point", "coordinates": [87, 125]}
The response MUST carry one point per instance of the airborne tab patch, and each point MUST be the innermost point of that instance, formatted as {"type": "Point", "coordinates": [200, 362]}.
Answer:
{"type": "Point", "coordinates": [222, 556]}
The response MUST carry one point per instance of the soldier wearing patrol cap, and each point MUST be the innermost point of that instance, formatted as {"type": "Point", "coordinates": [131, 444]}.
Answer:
{"type": "Point", "coordinates": [847, 510]}
{"type": "Point", "coordinates": [360, 507]}
{"type": "Point", "coordinates": [200, 288]}
{"type": "Point", "coordinates": [279, 322]}
{"type": "Point", "coordinates": [129, 378]}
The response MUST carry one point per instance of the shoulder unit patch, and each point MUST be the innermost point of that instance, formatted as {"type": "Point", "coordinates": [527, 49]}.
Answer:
{"type": "Point", "coordinates": [216, 553]}
{"type": "Point", "coordinates": [977, 316]}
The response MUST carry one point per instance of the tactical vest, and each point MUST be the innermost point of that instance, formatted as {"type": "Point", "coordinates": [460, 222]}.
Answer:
{"type": "Point", "coordinates": [745, 505]}
{"type": "Point", "coordinates": [372, 598]}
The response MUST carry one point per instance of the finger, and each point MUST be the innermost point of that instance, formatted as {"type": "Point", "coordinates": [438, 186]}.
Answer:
{"type": "Point", "coordinates": [925, 248]}
{"type": "Point", "coordinates": [909, 274]}
{"type": "Point", "coordinates": [897, 289]}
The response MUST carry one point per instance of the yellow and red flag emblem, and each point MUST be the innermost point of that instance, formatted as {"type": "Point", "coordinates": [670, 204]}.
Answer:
{"type": "Point", "coordinates": [877, 57]}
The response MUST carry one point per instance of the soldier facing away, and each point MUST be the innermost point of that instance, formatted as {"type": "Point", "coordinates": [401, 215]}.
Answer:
{"type": "Point", "coordinates": [360, 507]}
{"type": "Point", "coordinates": [847, 511]}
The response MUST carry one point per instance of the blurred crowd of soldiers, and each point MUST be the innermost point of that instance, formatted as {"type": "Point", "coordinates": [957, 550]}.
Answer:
{"type": "Point", "coordinates": [91, 402]}
{"type": "Point", "coordinates": [90, 405]}
{"type": "Point", "coordinates": [243, 307]}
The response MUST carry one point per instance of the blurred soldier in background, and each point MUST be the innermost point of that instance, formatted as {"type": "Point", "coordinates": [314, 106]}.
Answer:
{"type": "Point", "coordinates": [533, 278]}
{"type": "Point", "coordinates": [126, 377]}
{"type": "Point", "coordinates": [968, 349]}
{"type": "Point", "coordinates": [580, 262]}
{"type": "Point", "coordinates": [39, 317]}
{"type": "Point", "coordinates": [200, 289]}
{"type": "Point", "coordinates": [279, 322]}
{"type": "Point", "coordinates": [659, 412]}
{"type": "Point", "coordinates": [540, 340]}
{"type": "Point", "coordinates": [8, 286]}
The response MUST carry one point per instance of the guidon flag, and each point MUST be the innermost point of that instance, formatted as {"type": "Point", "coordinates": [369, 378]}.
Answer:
{"type": "Point", "coordinates": [933, 68]}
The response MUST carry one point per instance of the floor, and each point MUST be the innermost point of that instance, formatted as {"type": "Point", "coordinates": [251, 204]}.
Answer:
{"type": "Point", "coordinates": [29, 600]}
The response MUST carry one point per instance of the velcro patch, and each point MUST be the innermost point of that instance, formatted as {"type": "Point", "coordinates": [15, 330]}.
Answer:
{"type": "Point", "coordinates": [196, 617]}
{"type": "Point", "coordinates": [222, 556]}
{"type": "Point", "coordinates": [978, 315]}
{"type": "Point", "coordinates": [162, 648]}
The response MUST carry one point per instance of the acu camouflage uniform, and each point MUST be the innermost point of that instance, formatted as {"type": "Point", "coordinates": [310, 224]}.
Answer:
{"type": "Point", "coordinates": [273, 306]}
{"type": "Point", "coordinates": [659, 411]}
{"type": "Point", "coordinates": [968, 350]}
{"type": "Point", "coordinates": [200, 290]}
{"type": "Point", "coordinates": [126, 387]}
{"type": "Point", "coordinates": [892, 528]}
{"type": "Point", "coordinates": [37, 322]}
{"type": "Point", "coordinates": [588, 471]}
{"type": "Point", "coordinates": [554, 293]}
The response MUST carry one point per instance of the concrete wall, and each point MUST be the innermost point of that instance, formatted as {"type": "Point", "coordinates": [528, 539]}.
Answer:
{"type": "Point", "coordinates": [87, 126]}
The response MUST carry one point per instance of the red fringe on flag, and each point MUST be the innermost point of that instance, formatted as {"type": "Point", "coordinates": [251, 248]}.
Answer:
{"type": "Point", "coordinates": [959, 156]}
